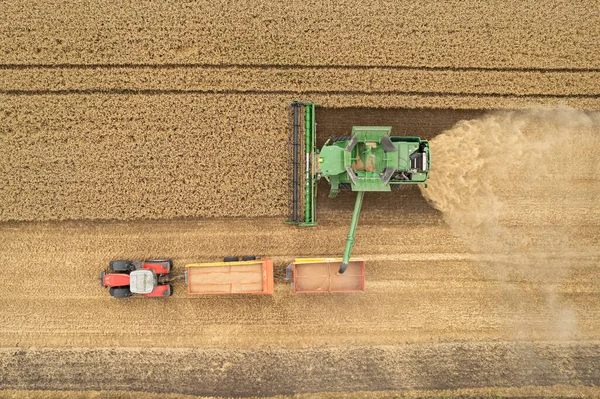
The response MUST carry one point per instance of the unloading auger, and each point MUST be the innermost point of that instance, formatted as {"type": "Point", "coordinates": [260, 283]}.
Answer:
{"type": "Point", "coordinates": [371, 159]}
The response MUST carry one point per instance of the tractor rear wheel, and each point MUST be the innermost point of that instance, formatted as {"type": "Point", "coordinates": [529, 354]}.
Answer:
{"type": "Point", "coordinates": [245, 258]}
{"type": "Point", "coordinates": [120, 292]}
{"type": "Point", "coordinates": [231, 259]}
{"type": "Point", "coordinates": [121, 265]}
{"type": "Point", "coordinates": [161, 260]}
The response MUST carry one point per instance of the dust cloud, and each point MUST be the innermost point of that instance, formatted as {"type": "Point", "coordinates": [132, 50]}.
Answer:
{"type": "Point", "coordinates": [521, 189]}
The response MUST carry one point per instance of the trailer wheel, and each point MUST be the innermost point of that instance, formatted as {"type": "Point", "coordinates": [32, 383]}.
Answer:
{"type": "Point", "coordinates": [245, 258]}
{"type": "Point", "coordinates": [121, 265]}
{"type": "Point", "coordinates": [120, 292]}
{"type": "Point", "coordinates": [231, 259]}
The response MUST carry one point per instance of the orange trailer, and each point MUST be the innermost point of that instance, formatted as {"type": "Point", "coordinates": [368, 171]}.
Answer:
{"type": "Point", "coordinates": [241, 277]}
{"type": "Point", "coordinates": [321, 275]}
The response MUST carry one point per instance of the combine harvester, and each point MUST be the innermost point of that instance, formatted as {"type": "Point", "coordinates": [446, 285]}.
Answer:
{"type": "Point", "coordinates": [371, 159]}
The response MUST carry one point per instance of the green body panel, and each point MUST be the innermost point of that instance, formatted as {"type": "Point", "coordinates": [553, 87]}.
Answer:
{"type": "Point", "coordinates": [372, 160]}
{"type": "Point", "coordinates": [331, 160]}
{"type": "Point", "coordinates": [369, 160]}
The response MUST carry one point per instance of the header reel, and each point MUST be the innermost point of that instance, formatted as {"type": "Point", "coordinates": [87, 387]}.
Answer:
{"type": "Point", "coordinates": [302, 175]}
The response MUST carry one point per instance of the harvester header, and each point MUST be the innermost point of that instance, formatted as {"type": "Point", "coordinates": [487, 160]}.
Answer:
{"type": "Point", "coordinates": [370, 159]}
{"type": "Point", "coordinates": [303, 181]}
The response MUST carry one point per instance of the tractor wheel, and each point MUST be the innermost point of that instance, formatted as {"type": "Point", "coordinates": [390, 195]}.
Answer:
{"type": "Point", "coordinates": [162, 260]}
{"type": "Point", "coordinates": [245, 258]}
{"type": "Point", "coordinates": [231, 259]}
{"type": "Point", "coordinates": [121, 265]}
{"type": "Point", "coordinates": [171, 289]}
{"type": "Point", "coordinates": [120, 292]}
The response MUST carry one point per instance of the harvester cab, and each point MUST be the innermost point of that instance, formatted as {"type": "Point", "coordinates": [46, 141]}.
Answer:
{"type": "Point", "coordinates": [371, 159]}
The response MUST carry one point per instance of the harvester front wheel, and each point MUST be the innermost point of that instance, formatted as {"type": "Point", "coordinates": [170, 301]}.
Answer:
{"type": "Point", "coordinates": [231, 259]}
{"type": "Point", "coordinates": [120, 292]}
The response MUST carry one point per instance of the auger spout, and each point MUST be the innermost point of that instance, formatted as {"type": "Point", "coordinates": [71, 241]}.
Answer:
{"type": "Point", "coordinates": [350, 240]}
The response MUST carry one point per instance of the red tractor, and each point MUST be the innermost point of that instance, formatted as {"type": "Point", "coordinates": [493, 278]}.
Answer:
{"type": "Point", "coordinates": [149, 278]}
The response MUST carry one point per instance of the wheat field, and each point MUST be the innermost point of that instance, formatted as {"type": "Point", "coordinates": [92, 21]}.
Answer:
{"type": "Point", "coordinates": [159, 129]}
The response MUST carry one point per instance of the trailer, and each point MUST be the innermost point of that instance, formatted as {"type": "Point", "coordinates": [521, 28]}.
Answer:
{"type": "Point", "coordinates": [237, 277]}
{"type": "Point", "coordinates": [322, 275]}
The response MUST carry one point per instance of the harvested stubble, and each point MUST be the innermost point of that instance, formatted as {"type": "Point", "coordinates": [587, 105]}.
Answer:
{"type": "Point", "coordinates": [522, 34]}
{"type": "Point", "coordinates": [563, 391]}
{"type": "Point", "coordinates": [260, 372]}
{"type": "Point", "coordinates": [427, 301]}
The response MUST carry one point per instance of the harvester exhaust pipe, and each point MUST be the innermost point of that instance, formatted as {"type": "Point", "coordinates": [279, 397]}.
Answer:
{"type": "Point", "coordinates": [350, 240]}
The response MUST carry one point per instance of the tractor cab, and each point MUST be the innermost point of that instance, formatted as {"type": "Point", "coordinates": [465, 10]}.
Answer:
{"type": "Point", "coordinates": [150, 278]}
{"type": "Point", "coordinates": [142, 281]}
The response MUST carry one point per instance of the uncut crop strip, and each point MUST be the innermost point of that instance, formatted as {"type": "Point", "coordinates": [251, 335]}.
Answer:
{"type": "Point", "coordinates": [123, 157]}
{"type": "Point", "coordinates": [127, 156]}
{"type": "Point", "coordinates": [301, 80]}
{"type": "Point", "coordinates": [517, 34]}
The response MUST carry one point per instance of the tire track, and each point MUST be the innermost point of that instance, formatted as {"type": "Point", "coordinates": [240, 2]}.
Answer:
{"type": "Point", "coordinates": [277, 371]}
{"type": "Point", "coordinates": [298, 66]}
{"type": "Point", "coordinates": [290, 93]}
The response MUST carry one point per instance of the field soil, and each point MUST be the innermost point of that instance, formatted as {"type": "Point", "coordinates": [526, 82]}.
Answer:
{"type": "Point", "coordinates": [155, 130]}
{"type": "Point", "coordinates": [432, 316]}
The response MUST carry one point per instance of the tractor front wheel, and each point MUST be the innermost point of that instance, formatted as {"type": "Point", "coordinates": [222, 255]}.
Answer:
{"type": "Point", "coordinates": [120, 292]}
{"type": "Point", "coordinates": [121, 265]}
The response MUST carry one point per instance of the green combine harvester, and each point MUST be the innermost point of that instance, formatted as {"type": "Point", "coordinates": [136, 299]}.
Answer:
{"type": "Point", "coordinates": [371, 159]}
